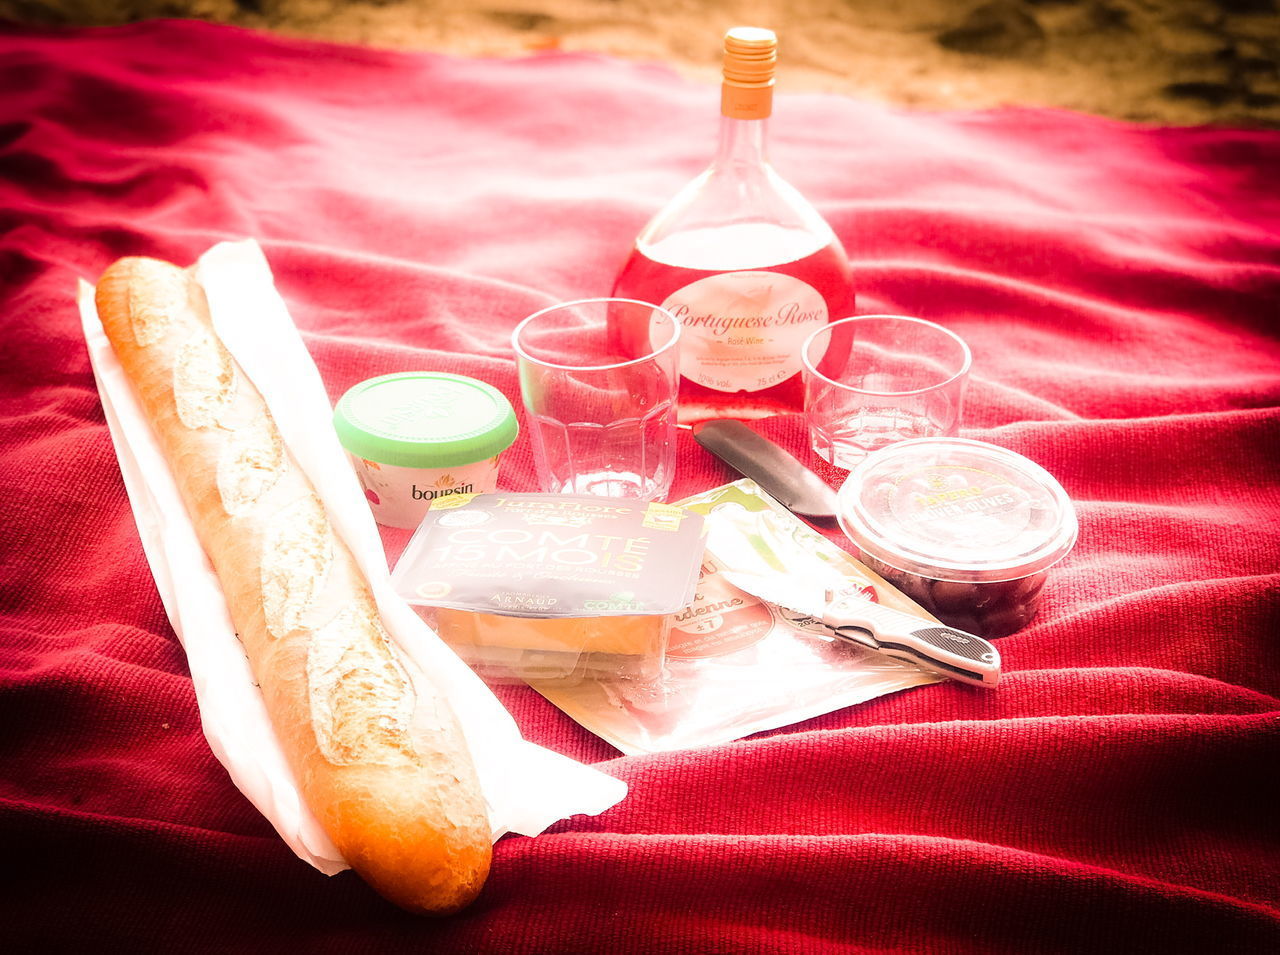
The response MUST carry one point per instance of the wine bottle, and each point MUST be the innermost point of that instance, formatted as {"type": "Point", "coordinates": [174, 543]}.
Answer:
{"type": "Point", "coordinates": [745, 263]}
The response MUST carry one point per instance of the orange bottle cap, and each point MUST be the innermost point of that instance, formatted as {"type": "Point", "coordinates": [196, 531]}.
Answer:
{"type": "Point", "coordinates": [750, 54]}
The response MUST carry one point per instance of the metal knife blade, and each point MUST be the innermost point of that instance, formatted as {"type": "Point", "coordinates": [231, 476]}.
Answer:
{"type": "Point", "coordinates": [799, 595]}
{"type": "Point", "coordinates": [776, 470]}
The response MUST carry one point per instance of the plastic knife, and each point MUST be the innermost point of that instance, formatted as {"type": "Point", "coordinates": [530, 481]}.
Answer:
{"type": "Point", "coordinates": [776, 470]}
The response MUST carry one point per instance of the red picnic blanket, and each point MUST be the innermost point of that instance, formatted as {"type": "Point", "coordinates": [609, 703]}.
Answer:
{"type": "Point", "coordinates": [1119, 286]}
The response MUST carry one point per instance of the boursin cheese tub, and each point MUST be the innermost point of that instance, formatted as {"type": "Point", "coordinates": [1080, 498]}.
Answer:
{"type": "Point", "coordinates": [967, 529]}
{"type": "Point", "coordinates": [415, 437]}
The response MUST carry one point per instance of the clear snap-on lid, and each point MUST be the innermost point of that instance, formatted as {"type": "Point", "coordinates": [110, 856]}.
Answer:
{"type": "Point", "coordinates": [955, 509]}
{"type": "Point", "coordinates": [424, 419]}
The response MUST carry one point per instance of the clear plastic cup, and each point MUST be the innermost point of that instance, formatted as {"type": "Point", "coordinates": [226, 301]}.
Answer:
{"type": "Point", "coordinates": [967, 529]}
{"type": "Point", "coordinates": [599, 382]}
{"type": "Point", "coordinates": [873, 380]}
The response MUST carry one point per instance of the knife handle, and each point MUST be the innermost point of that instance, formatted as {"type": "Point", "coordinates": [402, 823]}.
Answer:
{"type": "Point", "coordinates": [943, 649]}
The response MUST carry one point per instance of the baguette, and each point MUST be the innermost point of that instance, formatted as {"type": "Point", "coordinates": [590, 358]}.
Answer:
{"type": "Point", "coordinates": [380, 761]}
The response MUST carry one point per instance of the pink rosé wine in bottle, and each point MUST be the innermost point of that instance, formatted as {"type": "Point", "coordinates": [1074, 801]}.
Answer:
{"type": "Point", "coordinates": [744, 262]}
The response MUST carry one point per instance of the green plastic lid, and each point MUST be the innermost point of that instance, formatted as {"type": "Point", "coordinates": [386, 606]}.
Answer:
{"type": "Point", "coordinates": [425, 419]}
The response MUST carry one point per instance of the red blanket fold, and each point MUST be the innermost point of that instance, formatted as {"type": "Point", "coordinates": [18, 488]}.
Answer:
{"type": "Point", "coordinates": [1119, 286]}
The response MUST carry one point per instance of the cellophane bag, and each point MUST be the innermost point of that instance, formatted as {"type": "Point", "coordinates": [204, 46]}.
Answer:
{"type": "Point", "coordinates": [735, 664]}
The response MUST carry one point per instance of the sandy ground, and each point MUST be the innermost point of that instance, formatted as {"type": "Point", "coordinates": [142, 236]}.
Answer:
{"type": "Point", "coordinates": [1153, 61]}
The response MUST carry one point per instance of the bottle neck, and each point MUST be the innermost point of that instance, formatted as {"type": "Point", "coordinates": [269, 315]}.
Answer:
{"type": "Point", "coordinates": [742, 142]}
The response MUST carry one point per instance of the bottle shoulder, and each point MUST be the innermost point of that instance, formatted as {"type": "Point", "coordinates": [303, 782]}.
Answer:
{"type": "Point", "coordinates": [736, 196]}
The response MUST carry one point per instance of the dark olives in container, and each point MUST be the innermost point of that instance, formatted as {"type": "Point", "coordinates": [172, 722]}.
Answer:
{"type": "Point", "coordinates": [967, 529]}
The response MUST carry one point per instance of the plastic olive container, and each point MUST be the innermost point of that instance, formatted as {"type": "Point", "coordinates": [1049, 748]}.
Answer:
{"type": "Point", "coordinates": [413, 437]}
{"type": "Point", "coordinates": [967, 529]}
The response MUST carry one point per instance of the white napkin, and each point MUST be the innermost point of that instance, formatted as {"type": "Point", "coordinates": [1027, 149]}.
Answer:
{"type": "Point", "coordinates": [527, 787]}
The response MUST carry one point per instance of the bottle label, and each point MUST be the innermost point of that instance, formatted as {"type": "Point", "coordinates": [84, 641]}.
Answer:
{"type": "Point", "coordinates": [742, 331]}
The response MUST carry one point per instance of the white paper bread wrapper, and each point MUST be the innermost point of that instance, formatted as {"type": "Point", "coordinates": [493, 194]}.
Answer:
{"type": "Point", "coordinates": [527, 787]}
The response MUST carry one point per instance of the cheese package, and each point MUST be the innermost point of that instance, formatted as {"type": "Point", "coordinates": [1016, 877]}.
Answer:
{"type": "Point", "coordinates": [553, 586]}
